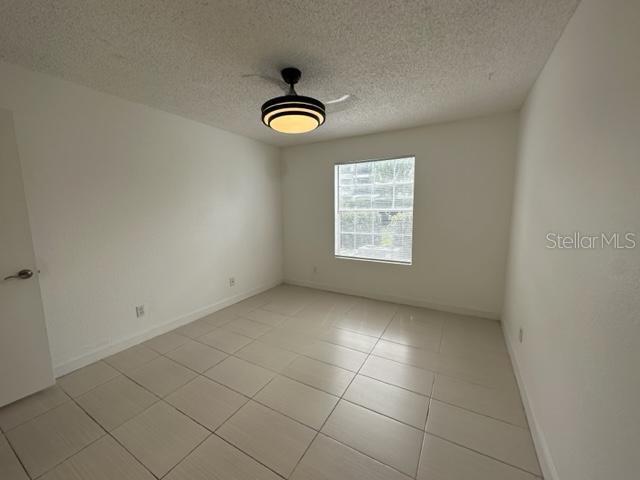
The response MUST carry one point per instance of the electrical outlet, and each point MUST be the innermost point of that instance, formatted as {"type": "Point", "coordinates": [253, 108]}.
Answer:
{"type": "Point", "coordinates": [232, 281]}
{"type": "Point", "coordinates": [520, 334]}
{"type": "Point", "coordinates": [139, 311]}
{"type": "Point", "coordinates": [315, 269]}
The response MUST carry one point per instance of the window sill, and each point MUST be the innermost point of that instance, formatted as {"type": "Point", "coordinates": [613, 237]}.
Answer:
{"type": "Point", "coordinates": [374, 260]}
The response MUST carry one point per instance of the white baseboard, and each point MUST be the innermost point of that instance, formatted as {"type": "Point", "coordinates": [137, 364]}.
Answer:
{"type": "Point", "coordinates": [124, 343]}
{"type": "Point", "coordinates": [545, 459]}
{"type": "Point", "coordinates": [394, 299]}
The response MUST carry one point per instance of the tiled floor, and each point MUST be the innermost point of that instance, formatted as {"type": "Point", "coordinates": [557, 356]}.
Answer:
{"type": "Point", "coordinates": [292, 383]}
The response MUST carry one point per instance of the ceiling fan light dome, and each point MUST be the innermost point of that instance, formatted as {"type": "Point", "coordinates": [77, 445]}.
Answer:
{"type": "Point", "coordinates": [293, 123]}
{"type": "Point", "coordinates": [293, 114]}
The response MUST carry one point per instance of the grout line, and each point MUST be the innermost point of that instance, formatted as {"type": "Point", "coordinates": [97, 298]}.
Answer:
{"type": "Point", "coordinates": [377, 460]}
{"type": "Point", "coordinates": [39, 414]}
{"type": "Point", "coordinates": [424, 430]}
{"type": "Point", "coordinates": [318, 431]}
{"type": "Point", "coordinates": [71, 456]}
{"type": "Point", "coordinates": [162, 399]}
{"type": "Point", "coordinates": [189, 452]}
{"type": "Point", "coordinates": [515, 425]}
{"type": "Point", "coordinates": [314, 338]}
{"type": "Point", "coordinates": [108, 433]}
{"type": "Point", "coordinates": [15, 454]}
{"type": "Point", "coordinates": [339, 400]}
{"type": "Point", "coordinates": [535, 475]}
{"type": "Point", "coordinates": [280, 373]}
{"type": "Point", "coordinates": [248, 455]}
{"type": "Point", "coordinates": [78, 451]}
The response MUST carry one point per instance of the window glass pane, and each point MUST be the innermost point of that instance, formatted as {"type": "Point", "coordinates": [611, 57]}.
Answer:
{"type": "Point", "coordinates": [384, 172]}
{"type": "Point", "coordinates": [404, 170]}
{"type": "Point", "coordinates": [363, 241]}
{"type": "Point", "coordinates": [364, 222]}
{"type": "Point", "coordinates": [374, 209]}
{"type": "Point", "coordinates": [363, 172]}
{"type": "Point", "coordinates": [346, 242]}
{"type": "Point", "coordinates": [347, 222]}
{"type": "Point", "coordinates": [383, 196]}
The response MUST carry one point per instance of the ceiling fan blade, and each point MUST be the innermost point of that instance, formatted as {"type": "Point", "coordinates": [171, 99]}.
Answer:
{"type": "Point", "coordinates": [340, 104]}
{"type": "Point", "coordinates": [273, 81]}
{"type": "Point", "coordinates": [338, 100]}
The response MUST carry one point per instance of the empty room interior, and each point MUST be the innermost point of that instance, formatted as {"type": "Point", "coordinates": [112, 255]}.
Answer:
{"type": "Point", "coordinates": [319, 240]}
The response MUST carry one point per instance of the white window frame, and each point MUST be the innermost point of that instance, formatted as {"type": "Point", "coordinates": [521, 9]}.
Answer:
{"type": "Point", "coordinates": [336, 218]}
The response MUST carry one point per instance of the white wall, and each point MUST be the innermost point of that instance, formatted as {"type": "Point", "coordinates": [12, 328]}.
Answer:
{"type": "Point", "coordinates": [579, 170]}
{"type": "Point", "coordinates": [130, 205]}
{"type": "Point", "coordinates": [463, 193]}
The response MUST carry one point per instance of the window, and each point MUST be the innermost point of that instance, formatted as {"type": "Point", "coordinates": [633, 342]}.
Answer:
{"type": "Point", "coordinates": [374, 210]}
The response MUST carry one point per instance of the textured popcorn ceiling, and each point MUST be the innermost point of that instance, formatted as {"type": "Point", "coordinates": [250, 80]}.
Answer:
{"type": "Point", "coordinates": [405, 63]}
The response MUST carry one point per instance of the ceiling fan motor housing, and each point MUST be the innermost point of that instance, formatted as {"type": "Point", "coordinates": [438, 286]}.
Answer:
{"type": "Point", "coordinates": [291, 75]}
{"type": "Point", "coordinates": [293, 113]}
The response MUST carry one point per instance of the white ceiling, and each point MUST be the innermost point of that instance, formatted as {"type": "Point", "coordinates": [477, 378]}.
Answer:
{"type": "Point", "coordinates": [406, 63]}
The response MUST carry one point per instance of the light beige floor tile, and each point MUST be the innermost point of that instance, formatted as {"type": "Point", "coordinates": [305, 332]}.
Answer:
{"type": "Point", "coordinates": [320, 312]}
{"type": "Point", "coordinates": [197, 356]}
{"type": "Point", "coordinates": [259, 299]}
{"type": "Point", "coordinates": [104, 459]}
{"type": "Point", "coordinates": [285, 338]}
{"type": "Point", "coordinates": [131, 358]}
{"type": "Point", "coordinates": [51, 438]}
{"type": "Point", "coordinates": [406, 354]}
{"type": "Point", "coordinates": [160, 437]}
{"type": "Point", "coordinates": [391, 442]}
{"type": "Point", "coordinates": [286, 306]}
{"type": "Point", "coordinates": [248, 304]}
{"type": "Point", "coordinates": [399, 374]}
{"type": "Point", "coordinates": [246, 327]}
{"type": "Point", "coordinates": [418, 327]}
{"type": "Point", "coordinates": [84, 379]}
{"type": "Point", "coordinates": [267, 356]}
{"type": "Point", "coordinates": [484, 369]}
{"type": "Point", "coordinates": [348, 339]}
{"type": "Point", "coordinates": [313, 315]}
{"type": "Point", "coordinates": [442, 460]}
{"type": "Point", "coordinates": [10, 468]}
{"type": "Point", "coordinates": [326, 312]}
{"type": "Point", "coordinates": [494, 438]}
{"type": "Point", "coordinates": [162, 376]}
{"type": "Point", "coordinates": [327, 459]}
{"type": "Point", "coordinates": [208, 403]}
{"type": "Point", "coordinates": [264, 316]}
{"type": "Point", "coordinates": [473, 372]}
{"type": "Point", "coordinates": [394, 402]}
{"type": "Point", "coordinates": [271, 438]}
{"type": "Point", "coordinates": [463, 335]}
{"type": "Point", "coordinates": [337, 355]}
{"type": "Point", "coordinates": [368, 317]}
{"type": "Point", "coordinates": [215, 459]}
{"type": "Point", "coordinates": [488, 370]}
{"type": "Point", "coordinates": [298, 401]}
{"type": "Point", "coordinates": [241, 376]}
{"type": "Point", "coordinates": [196, 328]}
{"type": "Point", "coordinates": [303, 326]}
{"type": "Point", "coordinates": [113, 403]}
{"type": "Point", "coordinates": [503, 404]}
{"type": "Point", "coordinates": [29, 407]}
{"type": "Point", "coordinates": [365, 326]}
{"type": "Point", "coordinates": [333, 380]}
{"type": "Point", "coordinates": [166, 342]}
{"type": "Point", "coordinates": [225, 340]}
{"type": "Point", "coordinates": [222, 317]}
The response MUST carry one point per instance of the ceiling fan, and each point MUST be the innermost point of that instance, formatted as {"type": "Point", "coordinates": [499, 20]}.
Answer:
{"type": "Point", "coordinates": [292, 113]}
